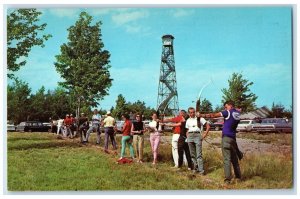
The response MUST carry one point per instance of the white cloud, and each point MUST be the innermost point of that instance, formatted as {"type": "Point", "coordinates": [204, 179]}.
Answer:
{"type": "Point", "coordinates": [182, 12]}
{"type": "Point", "coordinates": [133, 29]}
{"type": "Point", "coordinates": [101, 11]}
{"type": "Point", "coordinates": [106, 11]}
{"type": "Point", "coordinates": [64, 12]}
{"type": "Point", "coordinates": [128, 17]}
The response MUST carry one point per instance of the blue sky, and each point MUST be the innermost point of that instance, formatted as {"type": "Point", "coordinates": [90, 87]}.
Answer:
{"type": "Point", "coordinates": [210, 43]}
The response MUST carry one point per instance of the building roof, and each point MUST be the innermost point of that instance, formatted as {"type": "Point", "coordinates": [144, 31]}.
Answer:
{"type": "Point", "coordinates": [259, 113]}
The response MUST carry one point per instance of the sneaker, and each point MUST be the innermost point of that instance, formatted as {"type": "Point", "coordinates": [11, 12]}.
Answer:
{"type": "Point", "coordinates": [227, 181]}
{"type": "Point", "coordinates": [175, 167]}
{"type": "Point", "coordinates": [189, 169]}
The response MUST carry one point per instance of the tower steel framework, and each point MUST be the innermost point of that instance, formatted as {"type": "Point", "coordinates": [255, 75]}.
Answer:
{"type": "Point", "coordinates": [167, 89]}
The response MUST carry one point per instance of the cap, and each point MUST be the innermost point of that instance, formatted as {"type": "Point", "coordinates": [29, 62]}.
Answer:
{"type": "Point", "coordinates": [108, 113]}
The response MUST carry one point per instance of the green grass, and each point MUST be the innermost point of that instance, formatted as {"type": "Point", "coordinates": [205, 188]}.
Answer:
{"type": "Point", "coordinates": [41, 162]}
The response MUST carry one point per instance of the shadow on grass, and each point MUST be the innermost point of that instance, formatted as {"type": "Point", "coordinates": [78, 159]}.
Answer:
{"type": "Point", "coordinates": [13, 139]}
{"type": "Point", "coordinates": [46, 145]}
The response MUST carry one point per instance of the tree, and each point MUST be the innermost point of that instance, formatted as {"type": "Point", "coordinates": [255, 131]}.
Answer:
{"type": "Point", "coordinates": [23, 32]}
{"type": "Point", "coordinates": [121, 107]}
{"type": "Point", "coordinates": [218, 108]}
{"type": "Point", "coordinates": [279, 111]}
{"type": "Point", "coordinates": [206, 106]}
{"type": "Point", "coordinates": [240, 93]}
{"type": "Point", "coordinates": [18, 101]}
{"type": "Point", "coordinates": [37, 106]}
{"type": "Point", "coordinates": [83, 63]}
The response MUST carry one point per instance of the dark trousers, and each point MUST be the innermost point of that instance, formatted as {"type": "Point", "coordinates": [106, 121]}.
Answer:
{"type": "Point", "coordinates": [82, 132]}
{"type": "Point", "coordinates": [230, 156]}
{"type": "Point", "coordinates": [109, 132]}
{"type": "Point", "coordinates": [183, 147]}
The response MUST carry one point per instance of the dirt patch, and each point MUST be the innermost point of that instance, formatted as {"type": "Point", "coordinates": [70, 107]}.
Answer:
{"type": "Point", "coordinates": [253, 146]}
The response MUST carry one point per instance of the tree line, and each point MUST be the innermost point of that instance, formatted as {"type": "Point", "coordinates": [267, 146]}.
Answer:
{"type": "Point", "coordinates": [22, 105]}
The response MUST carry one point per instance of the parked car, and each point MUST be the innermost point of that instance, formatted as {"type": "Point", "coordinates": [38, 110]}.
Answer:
{"type": "Point", "coordinates": [146, 122]}
{"type": "Point", "coordinates": [216, 125]}
{"type": "Point", "coordinates": [246, 125]}
{"type": "Point", "coordinates": [46, 124]}
{"type": "Point", "coordinates": [31, 126]}
{"type": "Point", "coordinates": [278, 125]}
{"type": "Point", "coordinates": [10, 126]}
{"type": "Point", "coordinates": [119, 125]}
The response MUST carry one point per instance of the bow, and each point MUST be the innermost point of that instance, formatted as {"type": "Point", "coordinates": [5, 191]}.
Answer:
{"type": "Point", "coordinates": [199, 95]}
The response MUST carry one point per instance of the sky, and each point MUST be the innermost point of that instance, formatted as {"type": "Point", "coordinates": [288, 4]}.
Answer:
{"type": "Point", "coordinates": [210, 43]}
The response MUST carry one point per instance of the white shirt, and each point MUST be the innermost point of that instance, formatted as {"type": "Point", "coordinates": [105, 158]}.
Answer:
{"type": "Point", "coordinates": [153, 124]}
{"type": "Point", "coordinates": [60, 122]}
{"type": "Point", "coordinates": [191, 124]}
{"type": "Point", "coordinates": [109, 121]}
{"type": "Point", "coordinates": [96, 119]}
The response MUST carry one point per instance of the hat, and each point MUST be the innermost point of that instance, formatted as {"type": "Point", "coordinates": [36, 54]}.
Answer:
{"type": "Point", "coordinates": [82, 113]}
{"type": "Point", "coordinates": [67, 115]}
{"type": "Point", "coordinates": [108, 113]}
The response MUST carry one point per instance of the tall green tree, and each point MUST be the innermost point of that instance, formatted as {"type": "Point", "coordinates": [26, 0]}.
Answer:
{"type": "Point", "coordinates": [83, 63]}
{"type": "Point", "coordinates": [206, 106]}
{"type": "Point", "coordinates": [140, 107]}
{"type": "Point", "coordinates": [38, 105]}
{"type": "Point", "coordinates": [239, 92]}
{"type": "Point", "coordinates": [121, 107]}
{"type": "Point", "coordinates": [18, 101]}
{"type": "Point", "coordinates": [23, 32]}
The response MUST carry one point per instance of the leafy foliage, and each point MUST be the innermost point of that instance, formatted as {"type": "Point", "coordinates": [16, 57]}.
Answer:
{"type": "Point", "coordinates": [206, 106]}
{"type": "Point", "coordinates": [83, 63]}
{"type": "Point", "coordinates": [127, 107]}
{"type": "Point", "coordinates": [23, 32]}
{"type": "Point", "coordinates": [18, 101]}
{"type": "Point", "coordinates": [240, 93]}
{"type": "Point", "coordinates": [22, 105]}
{"type": "Point", "coordinates": [279, 111]}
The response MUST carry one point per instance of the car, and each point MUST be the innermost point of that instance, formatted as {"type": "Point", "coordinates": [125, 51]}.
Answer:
{"type": "Point", "coordinates": [146, 122]}
{"type": "Point", "coordinates": [216, 124]}
{"type": "Point", "coordinates": [246, 125]}
{"type": "Point", "coordinates": [32, 126]}
{"type": "Point", "coordinates": [46, 124]}
{"type": "Point", "coordinates": [119, 125]}
{"type": "Point", "coordinates": [277, 125]}
{"type": "Point", "coordinates": [10, 126]}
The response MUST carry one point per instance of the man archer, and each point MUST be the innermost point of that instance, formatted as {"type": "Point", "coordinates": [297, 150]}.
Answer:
{"type": "Point", "coordinates": [230, 150]}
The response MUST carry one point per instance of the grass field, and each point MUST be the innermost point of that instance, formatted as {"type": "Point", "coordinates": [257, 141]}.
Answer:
{"type": "Point", "coordinates": [44, 162]}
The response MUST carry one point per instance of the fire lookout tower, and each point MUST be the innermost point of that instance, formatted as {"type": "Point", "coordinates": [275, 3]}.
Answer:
{"type": "Point", "coordinates": [167, 89]}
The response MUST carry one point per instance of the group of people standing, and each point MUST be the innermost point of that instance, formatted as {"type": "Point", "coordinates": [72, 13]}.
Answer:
{"type": "Point", "coordinates": [188, 135]}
